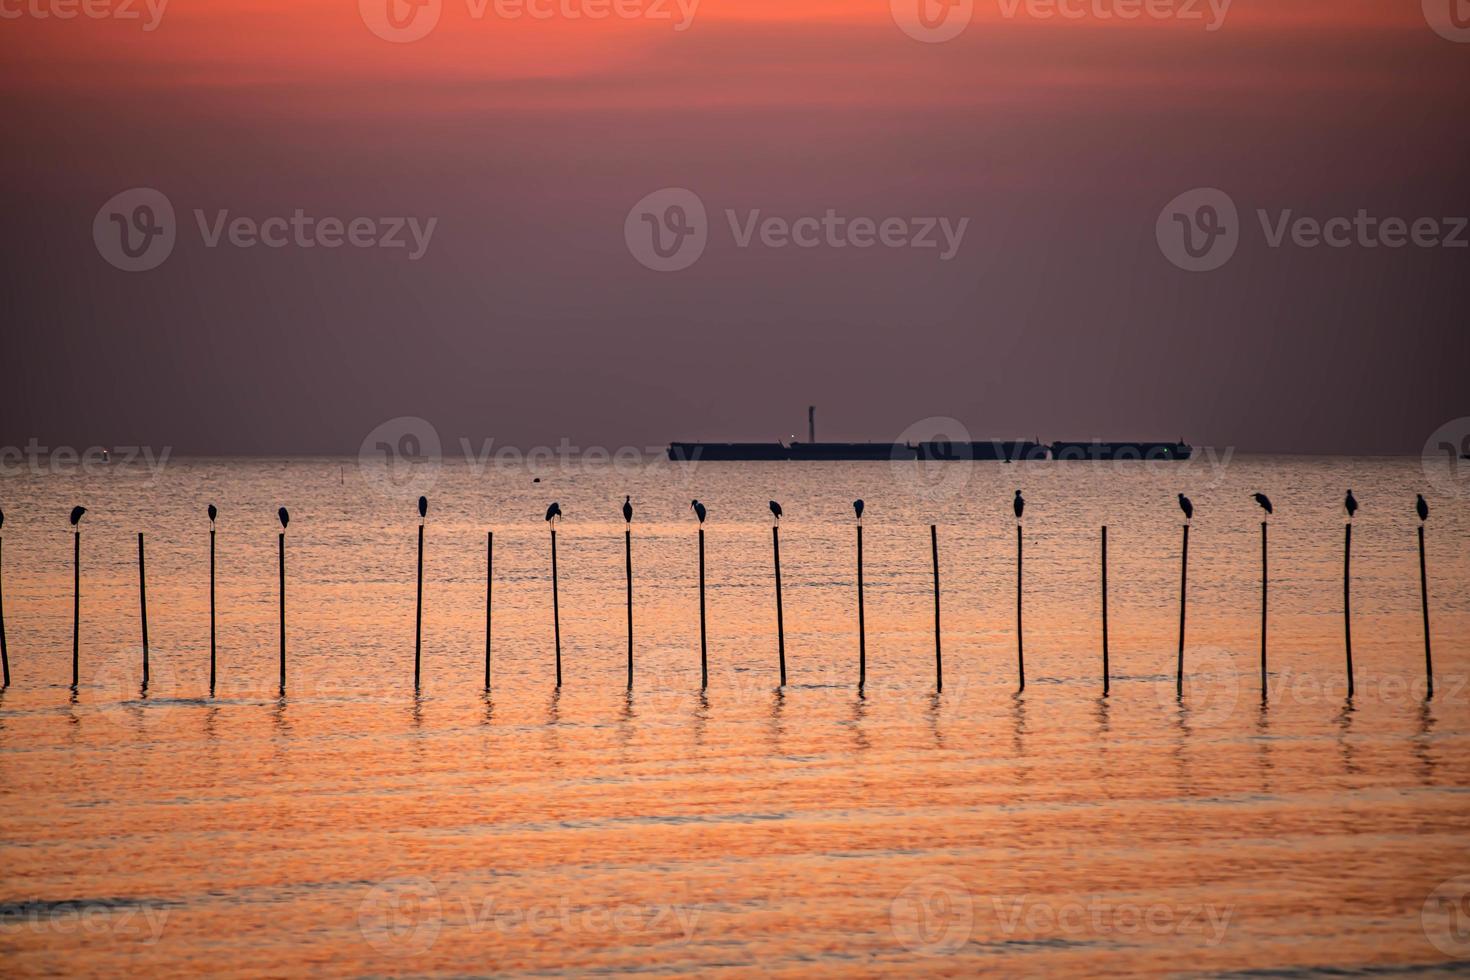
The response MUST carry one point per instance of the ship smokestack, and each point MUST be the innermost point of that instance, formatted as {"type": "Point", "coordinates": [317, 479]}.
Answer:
{"type": "Point", "coordinates": [811, 423]}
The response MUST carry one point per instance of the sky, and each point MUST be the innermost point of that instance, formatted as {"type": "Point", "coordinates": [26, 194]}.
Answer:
{"type": "Point", "coordinates": [973, 210]}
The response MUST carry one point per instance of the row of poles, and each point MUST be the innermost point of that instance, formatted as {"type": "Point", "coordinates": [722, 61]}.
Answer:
{"type": "Point", "coordinates": [554, 515]}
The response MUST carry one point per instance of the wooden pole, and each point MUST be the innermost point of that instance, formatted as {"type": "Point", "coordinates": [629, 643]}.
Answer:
{"type": "Point", "coordinates": [4, 649]}
{"type": "Point", "coordinates": [143, 606]}
{"type": "Point", "coordinates": [1424, 602]}
{"type": "Point", "coordinates": [1020, 649]}
{"type": "Point", "coordinates": [418, 614]}
{"type": "Point", "coordinates": [1105, 608]}
{"type": "Point", "coordinates": [1347, 603]}
{"type": "Point", "coordinates": [938, 655]}
{"type": "Point", "coordinates": [628, 564]}
{"type": "Point", "coordinates": [1183, 592]}
{"type": "Point", "coordinates": [212, 654]}
{"type": "Point", "coordinates": [556, 605]}
{"type": "Point", "coordinates": [490, 586]}
{"type": "Point", "coordinates": [1264, 582]}
{"type": "Point", "coordinates": [77, 601]}
{"type": "Point", "coordinates": [862, 626]}
{"type": "Point", "coordinates": [780, 618]}
{"type": "Point", "coordinates": [703, 651]}
{"type": "Point", "coordinates": [281, 540]}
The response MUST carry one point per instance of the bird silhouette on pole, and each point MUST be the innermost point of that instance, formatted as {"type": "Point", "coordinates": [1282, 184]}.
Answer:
{"type": "Point", "coordinates": [1420, 507]}
{"type": "Point", "coordinates": [1186, 505]}
{"type": "Point", "coordinates": [1018, 505]}
{"type": "Point", "coordinates": [1350, 504]}
{"type": "Point", "coordinates": [554, 511]}
{"type": "Point", "coordinates": [776, 510]}
{"type": "Point", "coordinates": [78, 512]}
{"type": "Point", "coordinates": [627, 509]}
{"type": "Point", "coordinates": [423, 508]}
{"type": "Point", "coordinates": [285, 517]}
{"type": "Point", "coordinates": [857, 509]}
{"type": "Point", "coordinates": [213, 512]}
{"type": "Point", "coordinates": [699, 510]}
{"type": "Point", "coordinates": [1264, 501]}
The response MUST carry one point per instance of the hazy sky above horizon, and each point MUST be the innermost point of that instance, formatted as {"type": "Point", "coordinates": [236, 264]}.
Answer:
{"type": "Point", "coordinates": [1051, 144]}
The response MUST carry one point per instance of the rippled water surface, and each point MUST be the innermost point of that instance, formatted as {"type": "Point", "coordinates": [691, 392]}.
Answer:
{"type": "Point", "coordinates": [353, 826]}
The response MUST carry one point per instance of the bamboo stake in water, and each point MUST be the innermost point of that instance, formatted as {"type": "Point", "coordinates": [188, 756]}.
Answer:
{"type": "Point", "coordinates": [1424, 603]}
{"type": "Point", "coordinates": [76, 604]}
{"type": "Point", "coordinates": [862, 626]}
{"type": "Point", "coordinates": [1183, 593]}
{"type": "Point", "coordinates": [212, 513]}
{"type": "Point", "coordinates": [143, 606]}
{"type": "Point", "coordinates": [1347, 602]}
{"type": "Point", "coordinates": [1264, 581]}
{"type": "Point", "coordinates": [1020, 649]}
{"type": "Point", "coordinates": [628, 565]}
{"type": "Point", "coordinates": [418, 608]}
{"type": "Point", "coordinates": [556, 605]}
{"type": "Point", "coordinates": [281, 541]}
{"type": "Point", "coordinates": [4, 649]}
{"type": "Point", "coordinates": [938, 655]}
{"type": "Point", "coordinates": [780, 618]}
{"type": "Point", "coordinates": [489, 591]}
{"type": "Point", "coordinates": [1105, 608]}
{"type": "Point", "coordinates": [703, 648]}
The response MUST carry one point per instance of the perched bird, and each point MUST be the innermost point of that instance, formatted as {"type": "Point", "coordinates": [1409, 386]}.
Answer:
{"type": "Point", "coordinates": [554, 511]}
{"type": "Point", "coordinates": [2, 518]}
{"type": "Point", "coordinates": [1018, 504]}
{"type": "Point", "coordinates": [699, 510]}
{"type": "Point", "coordinates": [77, 512]}
{"type": "Point", "coordinates": [213, 513]}
{"type": "Point", "coordinates": [285, 517]}
{"type": "Point", "coordinates": [857, 508]}
{"type": "Point", "coordinates": [1351, 503]}
{"type": "Point", "coordinates": [1187, 506]}
{"type": "Point", "coordinates": [1264, 501]}
{"type": "Point", "coordinates": [627, 509]}
{"type": "Point", "coordinates": [423, 507]}
{"type": "Point", "coordinates": [1419, 505]}
{"type": "Point", "coordinates": [776, 510]}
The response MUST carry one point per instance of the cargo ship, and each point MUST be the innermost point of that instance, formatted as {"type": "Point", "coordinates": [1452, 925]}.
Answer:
{"type": "Point", "coordinates": [995, 450]}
